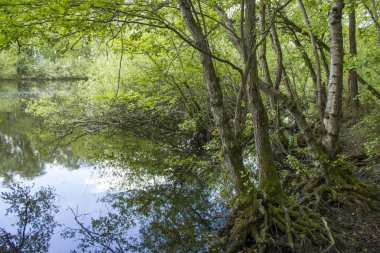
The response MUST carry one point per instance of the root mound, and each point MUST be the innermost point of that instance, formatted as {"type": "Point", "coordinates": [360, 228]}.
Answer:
{"type": "Point", "coordinates": [263, 225]}
{"type": "Point", "coordinates": [338, 187]}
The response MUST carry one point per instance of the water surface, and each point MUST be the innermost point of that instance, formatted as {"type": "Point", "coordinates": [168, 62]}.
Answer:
{"type": "Point", "coordinates": [140, 201]}
{"type": "Point", "coordinates": [23, 160]}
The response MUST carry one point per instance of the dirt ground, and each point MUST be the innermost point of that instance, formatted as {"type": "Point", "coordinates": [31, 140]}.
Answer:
{"type": "Point", "coordinates": [357, 228]}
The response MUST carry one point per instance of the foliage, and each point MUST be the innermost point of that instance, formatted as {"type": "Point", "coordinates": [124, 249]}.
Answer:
{"type": "Point", "coordinates": [43, 62]}
{"type": "Point", "coordinates": [369, 129]}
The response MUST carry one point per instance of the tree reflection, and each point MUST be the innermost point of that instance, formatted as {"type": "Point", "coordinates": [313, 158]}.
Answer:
{"type": "Point", "coordinates": [34, 213]}
{"type": "Point", "coordinates": [171, 218]}
{"type": "Point", "coordinates": [17, 149]}
{"type": "Point", "coordinates": [176, 218]}
{"type": "Point", "coordinates": [26, 145]}
{"type": "Point", "coordinates": [164, 203]}
{"type": "Point", "coordinates": [18, 143]}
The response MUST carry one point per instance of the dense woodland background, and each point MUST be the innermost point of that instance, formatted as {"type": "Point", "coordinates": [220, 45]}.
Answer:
{"type": "Point", "coordinates": [283, 96]}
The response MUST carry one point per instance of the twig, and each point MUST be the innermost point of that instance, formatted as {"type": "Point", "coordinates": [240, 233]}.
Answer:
{"type": "Point", "coordinates": [329, 234]}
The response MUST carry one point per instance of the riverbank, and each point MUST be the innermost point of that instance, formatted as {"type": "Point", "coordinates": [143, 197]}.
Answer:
{"type": "Point", "coordinates": [42, 79]}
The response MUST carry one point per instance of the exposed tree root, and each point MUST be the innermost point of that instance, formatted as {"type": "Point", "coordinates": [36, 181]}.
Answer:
{"type": "Point", "coordinates": [264, 225]}
{"type": "Point", "coordinates": [338, 187]}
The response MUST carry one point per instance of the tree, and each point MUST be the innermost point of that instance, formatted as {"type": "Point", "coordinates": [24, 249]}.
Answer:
{"type": "Point", "coordinates": [231, 148]}
{"type": "Point", "coordinates": [319, 88]}
{"type": "Point", "coordinates": [353, 75]}
{"type": "Point", "coordinates": [333, 112]}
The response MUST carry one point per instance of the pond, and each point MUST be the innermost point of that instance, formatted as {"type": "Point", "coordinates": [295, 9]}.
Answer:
{"type": "Point", "coordinates": [114, 191]}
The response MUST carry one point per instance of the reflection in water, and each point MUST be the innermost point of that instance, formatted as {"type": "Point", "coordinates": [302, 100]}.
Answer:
{"type": "Point", "coordinates": [20, 146]}
{"type": "Point", "coordinates": [17, 151]}
{"type": "Point", "coordinates": [177, 217]}
{"type": "Point", "coordinates": [158, 199]}
{"type": "Point", "coordinates": [35, 220]}
{"type": "Point", "coordinates": [25, 157]}
{"type": "Point", "coordinates": [163, 203]}
{"type": "Point", "coordinates": [25, 148]}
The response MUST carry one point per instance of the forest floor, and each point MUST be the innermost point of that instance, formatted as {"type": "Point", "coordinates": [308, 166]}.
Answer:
{"type": "Point", "coordinates": [357, 227]}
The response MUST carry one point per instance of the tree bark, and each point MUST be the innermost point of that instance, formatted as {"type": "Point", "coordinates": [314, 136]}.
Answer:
{"type": "Point", "coordinates": [263, 53]}
{"type": "Point", "coordinates": [232, 149]}
{"type": "Point", "coordinates": [335, 87]}
{"type": "Point", "coordinates": [278, 51]}
{"type": "Point", "coordinates": [352, 74]}
{"type": "Point", "coordinates": [269, 180]}
{"type": "Point", "coordinates": [265, 71]}
{"type": "Point", "coordinates": [325, 63]}
{"type": "Point", "coordinates": [279, 74]}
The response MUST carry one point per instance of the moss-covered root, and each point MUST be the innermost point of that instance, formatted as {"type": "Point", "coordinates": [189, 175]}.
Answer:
{"type": "Point", "coordinates": [338, 186]}
{"type": "Point", "coordinates": [262, 225]}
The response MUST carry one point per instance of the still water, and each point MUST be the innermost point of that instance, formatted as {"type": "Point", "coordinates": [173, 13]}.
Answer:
{"type": "Point", "coordinates": [140, 203]}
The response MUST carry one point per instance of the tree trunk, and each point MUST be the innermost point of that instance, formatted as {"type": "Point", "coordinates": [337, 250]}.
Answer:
{"type": "Point", "coordinates": [279, 74]}
{"type": "Point", "coordinates": [335, 87]}
{"type": "Point", "coordinates": [266, 75]}
{"type": "Point", "coordinates": [306, 58]}
{"type": "Point", "coordinates": [268, 176]}
{"type": "Point", "coordinates": [305, 129]}
{"type": "Point", "coordinates": [320, 105]}
{"type": "Point", "coordinates": [353, 76]}
{"type": "Point", "coordinates": [263, 54]}
{"type": "Point", "coordinates": [231, 147]}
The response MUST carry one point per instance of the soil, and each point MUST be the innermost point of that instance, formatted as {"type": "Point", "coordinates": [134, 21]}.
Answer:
{"type": "Point", "coordinates": [357, 228]}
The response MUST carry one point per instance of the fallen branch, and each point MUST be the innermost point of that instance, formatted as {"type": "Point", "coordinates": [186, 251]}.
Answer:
{"type": "Point", "coordinates": [329, 234]}
{"type": "Point", "coordinates": [369, 87]}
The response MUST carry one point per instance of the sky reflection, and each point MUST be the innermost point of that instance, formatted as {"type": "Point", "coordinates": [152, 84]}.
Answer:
{"type": "Point", "coordinates": [78, 189]}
